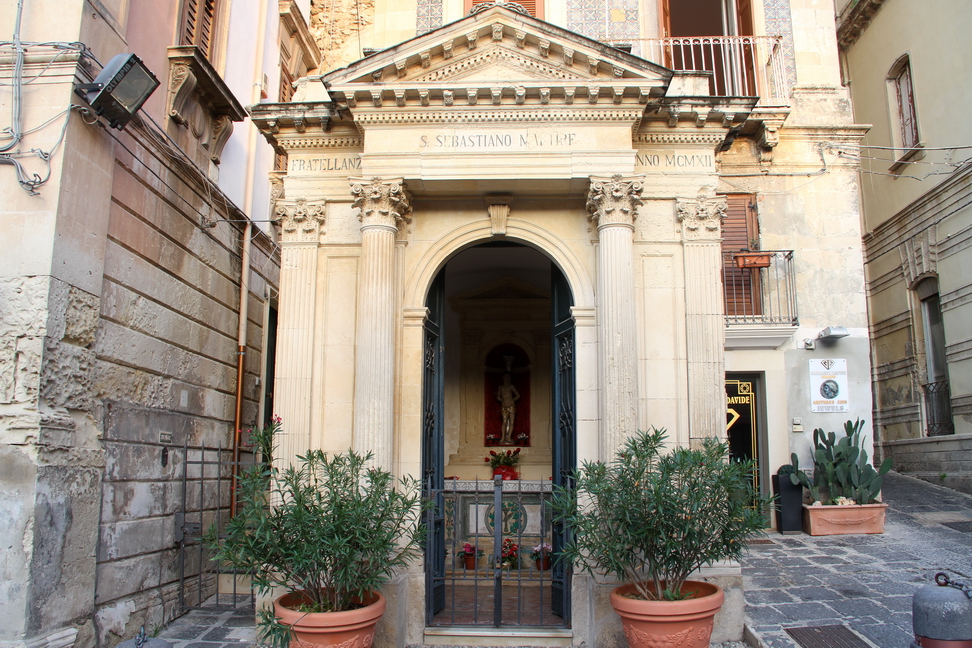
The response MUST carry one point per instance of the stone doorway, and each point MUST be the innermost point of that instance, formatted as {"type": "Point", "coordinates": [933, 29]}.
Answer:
{"type": "Point", "coordinates": [489, 335]}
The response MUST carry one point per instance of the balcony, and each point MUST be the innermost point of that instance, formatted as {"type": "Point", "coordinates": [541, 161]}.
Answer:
{"type": "Point", "coordinates": [759, 293]}
{"type": "Point", "coordinates": [741, 66]}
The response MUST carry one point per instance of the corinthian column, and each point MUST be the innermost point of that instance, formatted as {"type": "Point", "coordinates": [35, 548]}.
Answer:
{"type": "Point", "coordinates": [701, 221]}
{"type": "Point", "coordinates": [612, 204]}
{"type": "Point", "coordinates": [300, 225]}
{"type": "Point", "coordinates": [384, 206]}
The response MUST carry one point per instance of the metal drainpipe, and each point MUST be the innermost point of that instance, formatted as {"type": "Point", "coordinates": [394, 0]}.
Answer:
{"type": "Point", "coordinates": [240, 358]}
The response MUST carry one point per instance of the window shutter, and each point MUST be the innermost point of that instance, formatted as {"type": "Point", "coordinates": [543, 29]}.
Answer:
{"type": "Point", "coordinates": [198, 21]}
{"type": "Point", "coordinates": [906, 107]}
{"type": "Point", "coordinates": [740, 231]}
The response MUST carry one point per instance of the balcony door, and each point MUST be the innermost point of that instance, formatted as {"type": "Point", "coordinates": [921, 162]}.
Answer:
{"type": "Point", "coordinates": [700, 31]}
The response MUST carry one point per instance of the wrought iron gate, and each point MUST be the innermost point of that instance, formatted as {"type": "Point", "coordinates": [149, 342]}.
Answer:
{"type": "Point", "coordinates": [497, 583]}
{"type": "Point", "coordinates": [205, 504]}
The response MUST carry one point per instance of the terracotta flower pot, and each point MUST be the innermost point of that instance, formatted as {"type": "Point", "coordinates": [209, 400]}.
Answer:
{"type": "Point", "coordinates": [350, 629]}
{"type": "Point", "coordinates": [686, 624]}
{"type": "Point", "coordinates": [844, 520]}
{"type": "Point", "coordinates": [543, 564]}
{"type": "Point", "coordinates": [470, 561]}
{"type": "Point", "coordinates": [752, 260]}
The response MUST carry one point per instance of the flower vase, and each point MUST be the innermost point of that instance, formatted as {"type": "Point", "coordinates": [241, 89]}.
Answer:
{"type": "Point", "coordinates": [470, 561]}
{"type": "Point", "coordinates": [506, 472]}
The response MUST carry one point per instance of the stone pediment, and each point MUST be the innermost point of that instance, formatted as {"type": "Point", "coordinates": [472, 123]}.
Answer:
{"type": "Point", "coordinates": [495, 57]}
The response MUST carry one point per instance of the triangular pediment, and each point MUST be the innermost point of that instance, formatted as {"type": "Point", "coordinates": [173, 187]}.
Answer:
{"type": "Point", "coordinates": [497, 56]}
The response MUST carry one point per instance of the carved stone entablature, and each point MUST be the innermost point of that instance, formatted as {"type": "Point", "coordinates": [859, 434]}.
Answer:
{"type": "Point", "coordinates": [614, 200]}
{"type": "Point", "coordinates": [919, 256]}
{"type": "Point", "coordinates": [200, 100]}
{"type": "Point", "coordinates": [277, 120]}
{"type": "Point", "coordinates": [701, 218]}
{"type": "Point", "coordinates": [854, 19]}
{"type": "Point", "coordinates": [300, 221]}
{"type": "Point", "coordinates": [382, 203]}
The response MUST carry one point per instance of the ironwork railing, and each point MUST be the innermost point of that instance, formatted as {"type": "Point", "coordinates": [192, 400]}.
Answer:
{"type": "Point", "coordinates": [938, 408]}
{"type": "Point", "coordinates": [741, 66]}
{"type": "Point", "coordinates": [492, 588]}
{"type": "Point", "coordinates": [759, 287]}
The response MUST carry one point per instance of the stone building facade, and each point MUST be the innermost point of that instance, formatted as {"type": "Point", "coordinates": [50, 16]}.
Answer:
{"type": "Point", "coordinates": [915, 188]}
{"type": "Point", "coordinates": [121, 284]}
{"type": "Point", "coordinates": [557, 192]}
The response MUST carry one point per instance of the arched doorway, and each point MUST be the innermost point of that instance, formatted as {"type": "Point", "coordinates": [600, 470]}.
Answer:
{"type": "Point", "coordinates": [498, 379]}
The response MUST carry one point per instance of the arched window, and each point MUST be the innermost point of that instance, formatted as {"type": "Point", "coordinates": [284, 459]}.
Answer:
{"type": "Point", "coordinates": [904, 115]}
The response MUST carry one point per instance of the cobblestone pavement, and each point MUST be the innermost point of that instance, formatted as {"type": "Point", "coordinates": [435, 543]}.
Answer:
{"type": "Point", "coordinates": [862, 581]}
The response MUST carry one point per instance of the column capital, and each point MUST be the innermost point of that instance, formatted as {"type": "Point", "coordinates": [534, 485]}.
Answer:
{"type": "Point", "coordinates": [614, 200]}
{"type": "Point", "coordinates": [300, 220]}
{"type": "Point", "coordinates": [382, 203]}
{"type": "Point", "coordinates": [702, 217]}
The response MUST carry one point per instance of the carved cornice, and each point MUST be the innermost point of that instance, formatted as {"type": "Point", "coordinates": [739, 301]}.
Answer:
{"type": "Point", "coordinates": [701, 218]}
{"type": "Point", "coordinates": [323, 142]}
{"type": "Point", "coordinates": [708, 138]}
{"type": "Point", "coordinates": [382, 203]}
{"type": "Point", "coordinates": [854, 19]}
{"type": "Point", "coordinates": [293, 21]}
{"type": "Point", "coordinates": [300, 221]}
{"type": "Point", "coordinates": [487, 116]}
{"type": "Point", "coordinates": [614, 200]}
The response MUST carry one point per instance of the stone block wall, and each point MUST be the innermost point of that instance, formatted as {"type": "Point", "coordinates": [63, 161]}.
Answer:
{"type": "Point", "coordinates": [164, 371]}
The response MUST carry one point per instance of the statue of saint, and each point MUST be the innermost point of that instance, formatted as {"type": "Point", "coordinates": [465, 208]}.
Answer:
{"type": "Point", "coordinates": [507, 395]}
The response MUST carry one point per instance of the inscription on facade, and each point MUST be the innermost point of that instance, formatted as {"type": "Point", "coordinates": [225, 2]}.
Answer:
{"type": "Point", "coordinates": [673, 161]}
{"type": "Point", "coordinates": [323, 164]}
{"type": "Point", "coordinates": [519, 140]}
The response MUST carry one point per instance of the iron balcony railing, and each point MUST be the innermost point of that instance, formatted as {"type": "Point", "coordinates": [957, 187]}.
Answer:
{"type": "Point", "coordinates": [759, 287]}
{"type": "Point", "coordinates": [741, 66]}
{"type": "Point", "coordinates": [938, 408]}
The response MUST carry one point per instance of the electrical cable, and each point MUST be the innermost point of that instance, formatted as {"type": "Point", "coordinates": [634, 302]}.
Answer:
{"type": "Point", "coordinates": [18, 93]}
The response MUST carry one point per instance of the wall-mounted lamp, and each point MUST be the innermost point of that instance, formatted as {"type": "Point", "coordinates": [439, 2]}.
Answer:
{"type": "Point", "coordinates": [833, 333]}
{"type": "Point", "coordinates": [120, 89]}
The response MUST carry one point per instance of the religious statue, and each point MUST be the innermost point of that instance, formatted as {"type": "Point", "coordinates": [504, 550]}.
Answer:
{"type": "Point", "coordinates": [507, 395]}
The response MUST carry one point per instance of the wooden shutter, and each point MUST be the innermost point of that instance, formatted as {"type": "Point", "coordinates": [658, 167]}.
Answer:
{"type": "Point", "coordinates": [906, 107]}
{"type": "Point", "coordinates": [198, 24]}
{"type": "Point", "coordinates": [740, 231]}
{"type": "Point", "coordinates": [535, 7]}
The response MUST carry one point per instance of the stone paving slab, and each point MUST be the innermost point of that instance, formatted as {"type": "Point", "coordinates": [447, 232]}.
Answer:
{"type": "Point", "coordinates": [862, 581]}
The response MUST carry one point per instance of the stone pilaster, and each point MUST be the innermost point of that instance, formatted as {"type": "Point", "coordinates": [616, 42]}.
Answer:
{"type": "Point", "coordinates": [384, 206]}
{"type": "Point", "coordinates": [301, 224]}
{"type": "Point", "coordinates": [701, 221]}
{"type": "Point", "coordinates": [612, 203]}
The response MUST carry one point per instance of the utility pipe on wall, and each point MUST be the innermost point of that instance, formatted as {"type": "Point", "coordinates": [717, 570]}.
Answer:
{"type": "Point", "coordinates": [241, 355]}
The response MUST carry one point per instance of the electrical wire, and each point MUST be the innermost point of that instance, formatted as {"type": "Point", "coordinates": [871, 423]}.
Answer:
{"type": "Point", "coordinates": [16, 107]}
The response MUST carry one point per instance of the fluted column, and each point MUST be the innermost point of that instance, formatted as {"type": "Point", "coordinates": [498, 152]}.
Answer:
{"type": "Point", "coordinates": [384, 206]}
{"type": "Point", "coordinates": [612, 203]}
{"type": "Point", "coordinates": [701, 221]}
{"type": "Point", "coordinates": [301, 223]}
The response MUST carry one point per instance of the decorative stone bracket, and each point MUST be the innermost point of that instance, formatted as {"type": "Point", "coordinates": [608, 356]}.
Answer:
{"type": "Point", "coordinates": [300, 221]}
{"type": "Point", "coordinates": [499, 212]}
{"type": "Point", "coordinates": [701, 218]}
{"type": "Point", "coordinates": [200, 100]}
{"type": "Point", "coordinates": [614, 200]}
{"type": "Point", "coordinates": [383, 203]}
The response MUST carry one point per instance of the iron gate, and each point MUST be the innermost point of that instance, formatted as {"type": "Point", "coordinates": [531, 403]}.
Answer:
{"type": "Point", "coordinates": [505, 521]}
{"type": "Point", "coordinates": [205, 504]}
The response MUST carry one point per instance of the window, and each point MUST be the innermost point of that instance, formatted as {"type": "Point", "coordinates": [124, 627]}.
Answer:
{"type": "Point", "coordinates": [199, 26]}
{"type": "Point", "coordinates": [938, 406]}
{"type": "Point", "coordinates": [904, 116]}
{"type": "Point", "coordinates": [535, 7]}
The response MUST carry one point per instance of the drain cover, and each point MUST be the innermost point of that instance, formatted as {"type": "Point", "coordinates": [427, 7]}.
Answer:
{"type": "Point", "coordinates": [832, 636]}
{"type": "Point", "coordinates": [964, 526]}
{"type": "Point", "coordinates": [760, 541]}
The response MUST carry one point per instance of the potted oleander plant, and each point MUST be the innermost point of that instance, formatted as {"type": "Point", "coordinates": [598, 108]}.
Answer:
{"type": "Point", "coordinates": [329, 529]}
{"type": "Point", "coordinates": [650, 519]}
{"type": "Point", "coordinates": [844, 487]}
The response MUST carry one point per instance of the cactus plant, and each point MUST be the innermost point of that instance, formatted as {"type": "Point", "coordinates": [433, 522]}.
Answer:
{"type": "Point", "coordinates": [841, 468]}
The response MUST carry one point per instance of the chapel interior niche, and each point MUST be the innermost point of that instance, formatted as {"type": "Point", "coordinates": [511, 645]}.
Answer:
{"type": "Point", "coordinates": [498, 324]}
